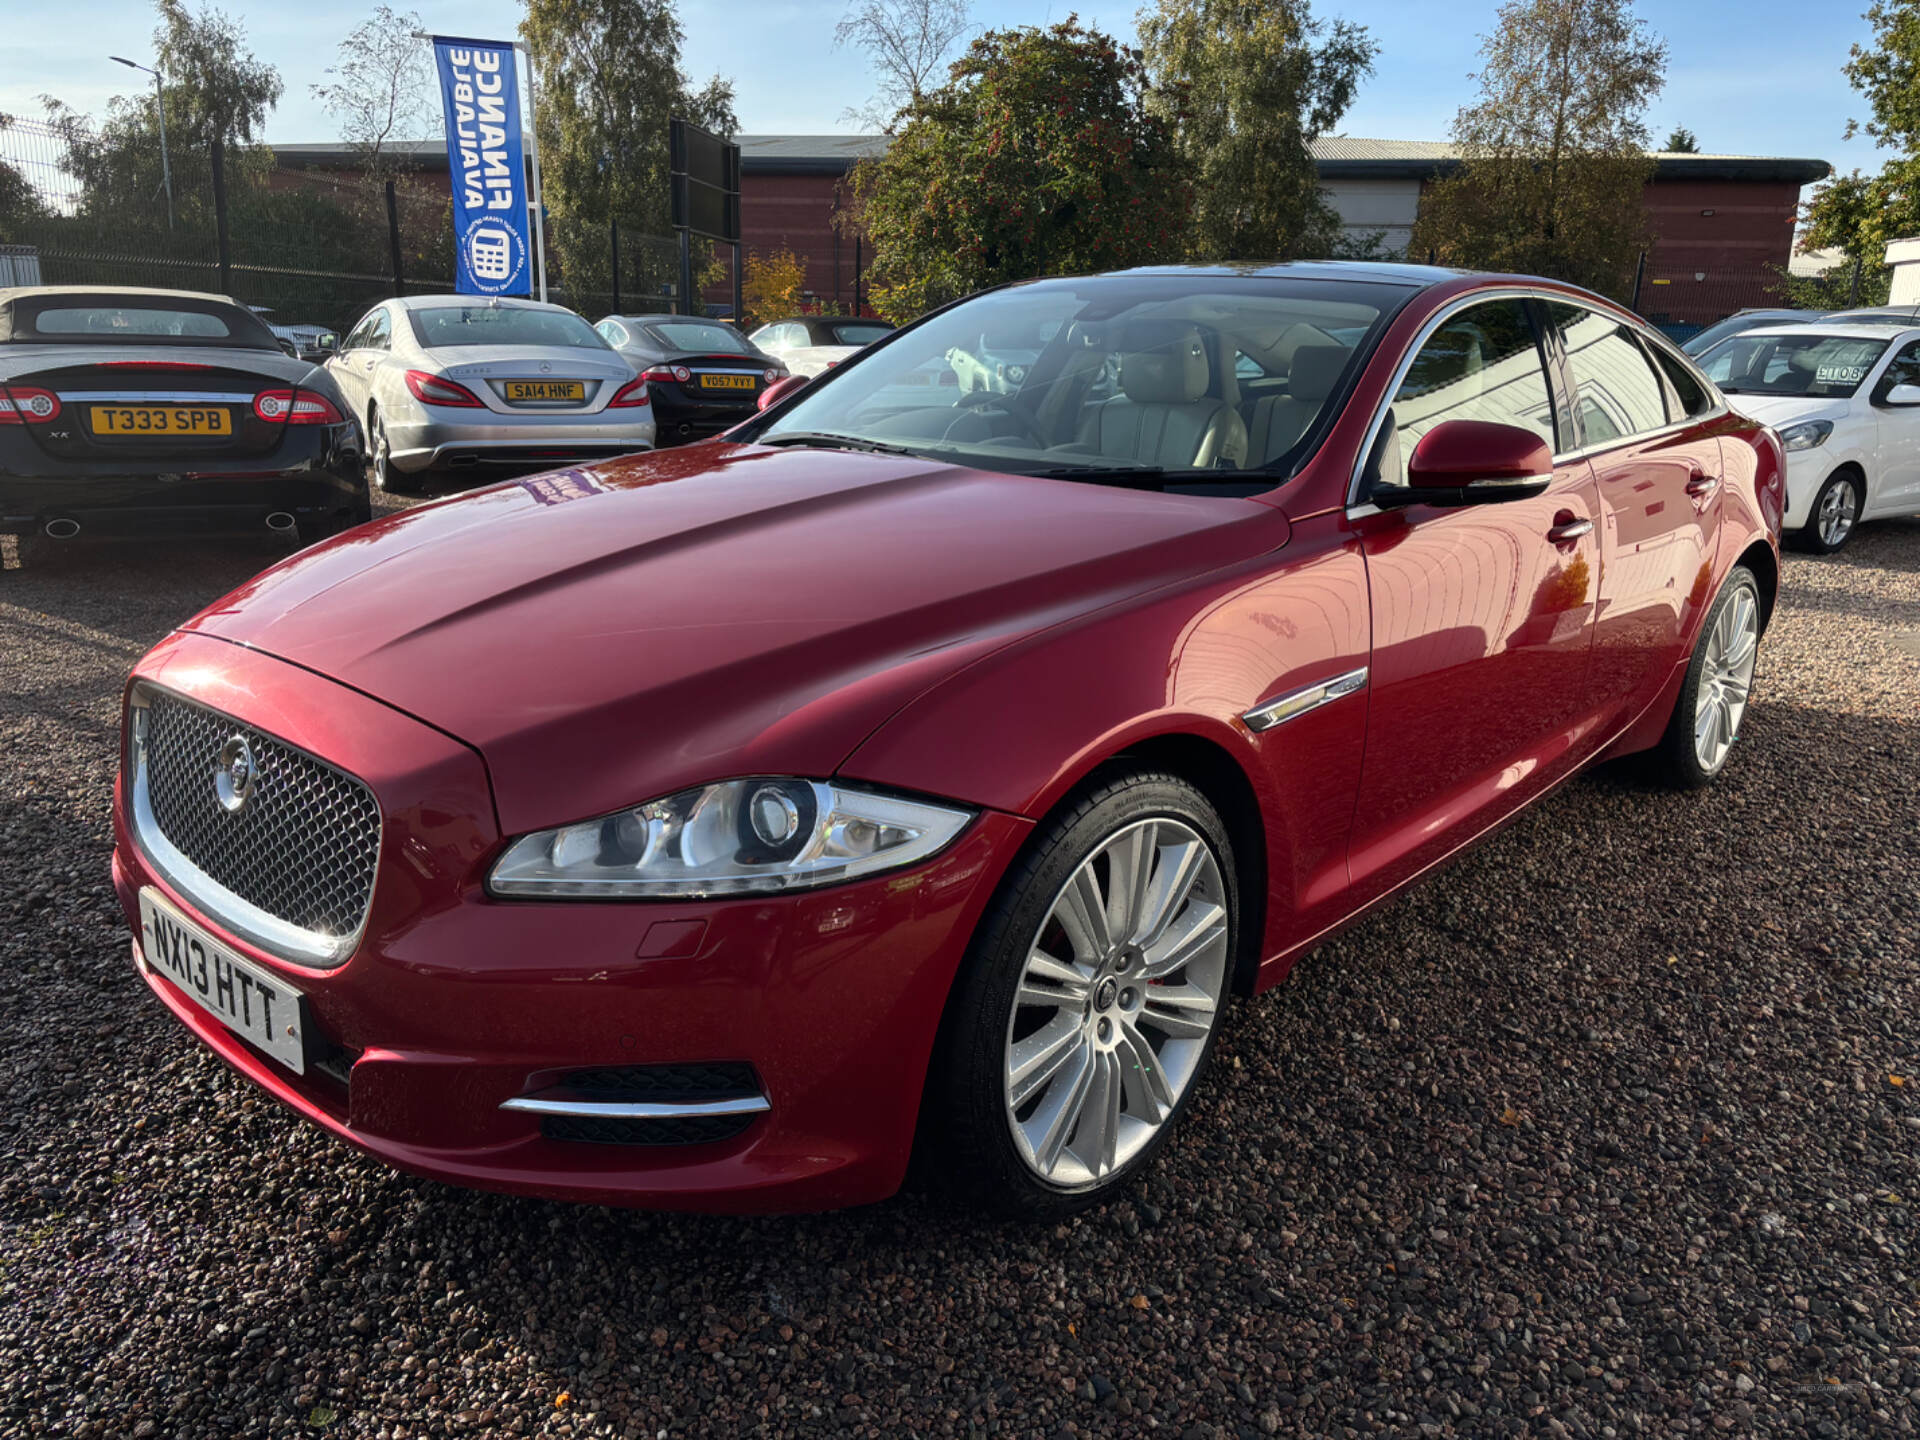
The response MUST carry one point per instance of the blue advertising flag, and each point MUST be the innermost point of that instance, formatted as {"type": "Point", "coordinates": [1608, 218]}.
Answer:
{"type": "Point", "coordinates": [480, 92]}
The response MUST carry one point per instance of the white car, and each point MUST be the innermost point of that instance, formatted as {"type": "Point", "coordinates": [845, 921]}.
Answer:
{"type": "Point", "coordinates": [1845, 401]}
{"type": "Point", "coordinates": [448, 382]}
{"type": "Point", "coordinates": [814, 344]}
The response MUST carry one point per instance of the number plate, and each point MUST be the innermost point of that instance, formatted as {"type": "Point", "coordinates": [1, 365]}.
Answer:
{"type": "Point", "coordinates": [254, 1005]}
{"type": "Point", "coordinates": [123, 421]}
{"type": "Point", "coordinates": [518, 390]}
{"type": "Point", "coordinates": [726, 382]}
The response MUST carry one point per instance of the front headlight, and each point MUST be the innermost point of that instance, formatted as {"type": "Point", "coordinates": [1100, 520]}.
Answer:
{"type": "Point", "coordinates": [1806, 435]}
{"type": "Point", "coordinates": [740, 837]}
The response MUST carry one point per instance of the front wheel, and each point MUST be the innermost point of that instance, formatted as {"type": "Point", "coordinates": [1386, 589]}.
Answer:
{"type": "Point", "coordinates": [1090, 1000]}
{"type": "Point", "coordinates": [1719, 682]}
{"type": "Point", "coordinates": [1836, 511]}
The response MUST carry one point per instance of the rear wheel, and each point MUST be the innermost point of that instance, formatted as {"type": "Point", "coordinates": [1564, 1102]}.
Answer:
{"type": "Point", "coordinates": [386, 475]}
{"type": "Point", "coordinates": [1713, 697]}
{"type": "Point", "coordinates": [1090, 1001]}
{"type": "Point", "coordinates": [1836, 512]}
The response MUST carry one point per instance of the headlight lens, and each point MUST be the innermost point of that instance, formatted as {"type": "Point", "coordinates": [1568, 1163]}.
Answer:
{"type": "Point", "coordinates": [1806, 435]}
{"type": "Point", "coordinates": [741, 837]}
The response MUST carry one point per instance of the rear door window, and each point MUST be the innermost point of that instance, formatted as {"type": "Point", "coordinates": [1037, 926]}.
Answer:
{"type": "Point", "coordinates": [1694, 397]}
{"type": "Point", "coordinates": [1617, 392]}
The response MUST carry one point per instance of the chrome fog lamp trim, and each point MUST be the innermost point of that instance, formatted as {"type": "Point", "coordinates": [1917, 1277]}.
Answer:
{"type": "Point", "coordinates": [637, 1109]}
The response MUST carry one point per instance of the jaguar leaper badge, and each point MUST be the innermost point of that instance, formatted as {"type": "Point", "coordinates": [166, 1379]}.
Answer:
{"type": "Point", "coordinates": [234, 773]}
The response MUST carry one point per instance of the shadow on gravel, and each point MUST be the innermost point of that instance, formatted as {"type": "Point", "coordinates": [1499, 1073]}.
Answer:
{"type": "Point", "coordinates": [138, 591]}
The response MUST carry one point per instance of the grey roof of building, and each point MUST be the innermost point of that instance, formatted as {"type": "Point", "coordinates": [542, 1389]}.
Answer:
{"type": "Point", "coordinates": [1338, 157]}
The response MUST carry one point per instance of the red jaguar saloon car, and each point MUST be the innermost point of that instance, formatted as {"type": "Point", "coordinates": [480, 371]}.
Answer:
{"type": "Point", "coordinates": [923, 765]}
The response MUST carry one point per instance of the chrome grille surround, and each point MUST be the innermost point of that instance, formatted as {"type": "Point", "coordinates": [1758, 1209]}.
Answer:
{"type": "Point", "coordinates": [292, 869]}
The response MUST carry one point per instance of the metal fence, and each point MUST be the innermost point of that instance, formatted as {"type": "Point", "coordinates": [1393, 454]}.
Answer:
{"type": "Point", "coordinates": [307, 246]}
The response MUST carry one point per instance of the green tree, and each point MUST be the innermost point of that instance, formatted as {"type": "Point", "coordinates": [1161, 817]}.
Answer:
{"type": "Point", "coordinates": [217, 90]}
{"type": "Point", "coordinates": [1554, 159]}
{"type": "Point", "coordinates": [610, 79]}
{"type": "Point", "coordinates": [1251, 84]}
{"type": "Point", "coordinates": [1681, 141]}
{"type": "Point", "coordinates": [214, 89]}
{"type": "Point", "coordinates": [22, 209]}
{"type": "Point", "coordinates": [1039, 156]}
{"type": "Point", "coordinates": [1859, 213]}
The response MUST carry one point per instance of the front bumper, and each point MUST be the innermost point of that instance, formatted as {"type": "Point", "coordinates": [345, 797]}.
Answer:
{"type": "Point", "coordinates": [1806, 472]}
{"type": "Point", "coordinates": [435, 441]}
{"type": "Point", "coordinates": [455, 1004]}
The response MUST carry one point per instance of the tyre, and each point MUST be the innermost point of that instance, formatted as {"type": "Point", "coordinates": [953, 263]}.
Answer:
{"type": "Point", "coordinates": [1835, 514]}
{"type": "Point", "coordinates": [1713, 697]}
{"type": "Point", "coordinates": [386, 475]}
{"type": "Point", "coordinates": [1088, 1006]}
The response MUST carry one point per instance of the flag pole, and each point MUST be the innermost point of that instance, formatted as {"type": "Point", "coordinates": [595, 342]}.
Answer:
{"type": "Point", "coordinates": [533, 150]}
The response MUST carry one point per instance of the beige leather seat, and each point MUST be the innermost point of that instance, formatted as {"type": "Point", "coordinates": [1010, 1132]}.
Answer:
{"type": "Point", "coordinates": [1275, 424]}
{"type": "Point", "coordinates": [1164, 414]}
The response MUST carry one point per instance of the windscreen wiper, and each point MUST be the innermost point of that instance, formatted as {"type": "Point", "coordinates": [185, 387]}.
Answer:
{"type": "Point", "coordinates": [1101, 472]}
{"type": "Point", "coordinates": [827, 440]}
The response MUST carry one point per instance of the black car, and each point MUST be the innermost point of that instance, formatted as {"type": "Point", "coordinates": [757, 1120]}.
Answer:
{"type": "Point", "coordinates": [127, 413]}
{"type": "Point", "coordinates": [703, 376]}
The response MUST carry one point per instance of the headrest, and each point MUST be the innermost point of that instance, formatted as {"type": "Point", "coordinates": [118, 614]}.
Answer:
{"type": "Point", "coordinates": [1313, 370]}
{"type": "Point", "coordinates": [1163, 364]}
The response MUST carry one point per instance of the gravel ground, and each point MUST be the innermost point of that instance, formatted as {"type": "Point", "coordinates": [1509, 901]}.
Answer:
{"type": "Point", "coordinates": [1612, 1133]}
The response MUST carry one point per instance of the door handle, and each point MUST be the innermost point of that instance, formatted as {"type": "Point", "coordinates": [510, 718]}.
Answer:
{"type": "Point", "coordinates": [1700, 484]}
{"type": "Point", "coordinates": [1568, 531]}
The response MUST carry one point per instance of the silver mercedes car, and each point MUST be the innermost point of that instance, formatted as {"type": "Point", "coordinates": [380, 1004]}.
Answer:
{"type": "Point", "coordinates": [447, 382]}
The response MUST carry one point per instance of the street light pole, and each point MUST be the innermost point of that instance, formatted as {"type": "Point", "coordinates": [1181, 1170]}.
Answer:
{"type": "Point", "coordinates": [160, 104]}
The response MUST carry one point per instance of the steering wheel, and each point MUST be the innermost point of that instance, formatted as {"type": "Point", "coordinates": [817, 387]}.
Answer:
{"type": "Point", "coordinates": [975, 404]}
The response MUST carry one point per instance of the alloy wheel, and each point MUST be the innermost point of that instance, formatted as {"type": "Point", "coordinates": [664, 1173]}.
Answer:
{"type": "Point", "coordinates": [381, 451]}
{"type": "Point", "coordinates": [1839, 508]}
{"type": "Point", "coordinates": [1122, 987]}
{"type": "Point", "coordinates": [1726, 677]}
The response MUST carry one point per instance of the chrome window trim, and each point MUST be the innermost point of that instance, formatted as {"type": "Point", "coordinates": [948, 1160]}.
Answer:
{"type": "Point", "coordinates": [638, 1109]}
{"type": "Point", "coordinates": [1296, 703]}
{"type": "Point", "coordinates": [1358, 507]}
{"type": "Point", "coordinates": [151, 397]}
{"type": "Point", "coordinates": [234, 913]}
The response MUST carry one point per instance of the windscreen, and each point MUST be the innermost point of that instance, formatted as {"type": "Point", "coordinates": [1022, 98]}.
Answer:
{"type": "Point", "coordinates": [1097, 376]}
{"type": "Point", "coordinates": [856, 332]}
{"type": "Point", "coordinates": [444, 326]}
{"type": "Point", "coordinates": [701, 335]}
{"type": "Point", "coordinates": [1822, 367]}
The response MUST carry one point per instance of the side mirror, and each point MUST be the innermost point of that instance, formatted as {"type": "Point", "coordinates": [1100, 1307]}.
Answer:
{"type": "Point", "coordinates": [327, 344]}
{"type": "Point", "coordinates": [780, 390]}
{"type": "Point", "coordinates": [1472, 462]}
{"type": "Point", "coordinates": [1904, 395]}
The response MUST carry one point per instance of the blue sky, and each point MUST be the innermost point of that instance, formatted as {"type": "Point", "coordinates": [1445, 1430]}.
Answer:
{"type": "Point", "coordinates": [1758, 77]}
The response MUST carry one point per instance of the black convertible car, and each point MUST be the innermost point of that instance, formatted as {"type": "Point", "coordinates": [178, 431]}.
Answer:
{"type": "Point", "coordinates": [128, 413]}
{"type": "Point", "coordinates": [703, 376]}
